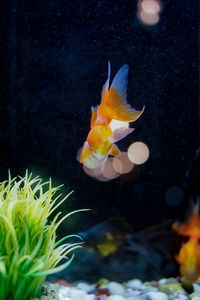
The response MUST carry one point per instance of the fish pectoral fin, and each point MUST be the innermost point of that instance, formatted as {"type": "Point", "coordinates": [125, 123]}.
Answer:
{"type": "Point", "coordinates": [120, 133]}
{"type": "Point", "coordinates": [114, 150]}
{"type": "Point", "coordinates": [93, 115]}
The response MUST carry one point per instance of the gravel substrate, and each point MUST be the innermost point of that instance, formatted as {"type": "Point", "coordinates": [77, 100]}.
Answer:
{"type": "Point", "coordinates": [164, 289]}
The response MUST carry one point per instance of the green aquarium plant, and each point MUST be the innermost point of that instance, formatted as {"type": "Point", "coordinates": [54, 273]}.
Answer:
{"type": "Point", "coordinates": [29, 250]}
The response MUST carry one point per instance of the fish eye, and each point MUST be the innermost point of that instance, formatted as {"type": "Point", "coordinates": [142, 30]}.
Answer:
{"type": "Point", "coordinates": [95, 152]}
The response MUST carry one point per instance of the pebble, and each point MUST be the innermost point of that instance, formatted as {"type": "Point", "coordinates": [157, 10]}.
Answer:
{"type": "Point", "coordinates": [64, 291]}
{"type": "Point", "coordinates": [163, 280]}
{"type": "Point", "coordinates": [136, 298]}
{"type": "Point", "coordinates": [116, 288]}
{"type": "Point", "coordinates": [195, 296]}
{"type": "Point", "coordinates": [196, 287]}
{"type": "Point", "coordinates": [116, 297]}
{"type": "Point", "coordinates": [132, 293]}
{"type": "Point", "coordinates": [156, 296]}
{"type": "Point", "coordinates": [171, 288]}
{"type": "Point", "coordinates": [135, 289]}
{"type": "Point", "coordinates": [90, 297]}
{"type": "Point", "coordinates": [135, 284]}
{"type": "Point", "coordinates": [179, 296]}
{"type": "Point", "coordinates": [61, 297]}
{"type": "Point", "coordinates": [76, 294]}
{"type": "Point", "coordinates": [86, 287]}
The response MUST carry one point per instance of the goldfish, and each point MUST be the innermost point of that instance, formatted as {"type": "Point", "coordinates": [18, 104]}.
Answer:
{"type": "Point", "coordinates": [189, 259]}
{"type": "Point", "coordinates": [106, 237]}
{"type": "Point", "coordinates": [189, 254]}
{"type": "Point", "coordinates": [101, 139]}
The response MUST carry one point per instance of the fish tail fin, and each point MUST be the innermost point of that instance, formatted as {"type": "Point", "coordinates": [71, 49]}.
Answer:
{"type": "Point", "coordinates": [191, 227]}
{"type": "Point", "coordinates": [114, 103]}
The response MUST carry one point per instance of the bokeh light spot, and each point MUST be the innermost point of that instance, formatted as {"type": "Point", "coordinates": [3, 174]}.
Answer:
{"type": "Point", "coordinates": [148, 19]}
{"type": "Point", "coordinates": [107, 169]}
{"type": "Point", "coordinates": [174, 195]}
{"type": "Point", "coordinates": [122, 164]}
{"type": "Point", "coordinates": [102, 178]}
{"type": "Point", "coordinates": [138, 153]}
{"type": "Point", "coordinates": [117, 165]}
{"type": "Point", "coordinates": [151, 6]}
{"type": "Point", "coordinates": [92, 172]}
{"type": "Point", "coordinates": [95, 173]}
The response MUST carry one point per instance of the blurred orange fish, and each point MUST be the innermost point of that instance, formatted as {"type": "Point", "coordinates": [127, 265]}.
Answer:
{"type": "Point", "coordinates": [100, 142]}
{"type": "Point", "coordinates": [189, 254]}
{"type": "Point", "coordinates": [189, 259]}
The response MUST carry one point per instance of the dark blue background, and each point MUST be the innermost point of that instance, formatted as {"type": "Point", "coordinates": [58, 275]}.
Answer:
{"type": "Point", "coordinates": [54, 62]}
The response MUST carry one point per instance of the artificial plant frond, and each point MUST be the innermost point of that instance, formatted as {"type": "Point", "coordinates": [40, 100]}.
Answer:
{"type": "Point", "coordinates": [29, 250]}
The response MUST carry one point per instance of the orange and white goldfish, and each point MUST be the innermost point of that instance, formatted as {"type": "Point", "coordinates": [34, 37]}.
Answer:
{"type": "Point", "coordinates": [189, 254]}
{"type": "Point", "coordinates": [100, 142]}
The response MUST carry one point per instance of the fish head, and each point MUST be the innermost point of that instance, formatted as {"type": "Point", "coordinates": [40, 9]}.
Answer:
{"type": "Point", "coordinates": [96, 147]}
{"type": "Point", "coordinates": [84, 152]}
{"type": "Point", "coordinates": [91, 157]}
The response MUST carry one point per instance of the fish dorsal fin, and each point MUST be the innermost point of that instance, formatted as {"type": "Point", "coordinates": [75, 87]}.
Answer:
{"type": "Point", "coordinates": [93, 115]}
{"type": "Point", "coordinates": [114, 103]}
{"type": "Point", "coordinates": [114, 150]}
{"type": "Point", "coordinates": [120, 133]}
{"type": "Point", "coordinates": [191, 227]}
{"type": "Point", "coordinates": [106, 85]}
